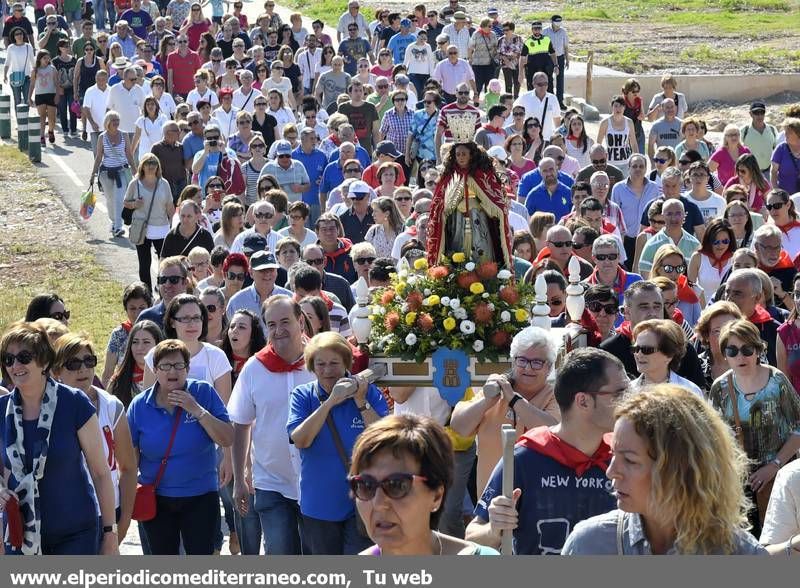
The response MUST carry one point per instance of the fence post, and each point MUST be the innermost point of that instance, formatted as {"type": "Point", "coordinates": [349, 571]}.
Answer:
{"type": "Point", "coordinates": [5, 116]}
{"type": "Point", "coordinates": [22, 127]}
{"type": "Point", "coordinates": [34, 136]}
{"type": "Point", "coordinates": [589, 66]}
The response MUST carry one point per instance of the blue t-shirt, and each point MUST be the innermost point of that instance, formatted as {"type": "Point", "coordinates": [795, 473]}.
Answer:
{"type": "Point", "coordinates": [533, 178]}
{"type": "Point", "coordinates": [540, 200]}
{"type": "Point", "coordinates": [553, 500]}
{"type": "Point", "coordinates": [211, 165]}
{"type": "Point", "coordinates": [67, 498]}
{"type": "Point", "coordinates": [138, 20]}
{"type": "Point", "coordinates": [362, 155]}
{"type": "Point", "coordinates": [398, 45]}
{"type": "Point", "coordinates": [332, 176]}
{"type": "Point", "coordinates": [314, 163]}
{"type": "Point", "coordinates": [154, 313]}
{"type": "Point", "coordinates": [192, 466]}
{"type": "Point", "coordinates": [217, 9]}
{"type": "Point", "coordinates": [191, 145]}
{"type": "Point", "coordinates": [352, 50]}
{"type": "Point", "coordinates": [324, 493]}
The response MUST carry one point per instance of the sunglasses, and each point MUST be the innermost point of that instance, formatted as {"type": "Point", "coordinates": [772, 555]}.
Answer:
{"type": "Point", "coordinates": [678, 269]}
{"type": "Point", "coordinates": [606, 256]}
{"type": "Point", "coordinates": [578, 246]}
{"type": "Point", "coordinates": [263, 215]}
{"type": "Point", "coordinates": [733, 351]}
{"type": "Point", "coordinates": [364, 260]}
{"type": "Point", "coordinates": [598, 161]}
{"type": "Point", "coordinates": [532, 126]}
{"type": "Point", "coordinates": [660, 160]}
{"type": "Point", "coordinates": [560, 244]}
{"type": "Point", "coordinates": [519, 113]}
{"type": "Point", "coordinates": [236, 277]}
{"type": "Point", "coordinates": [74, 364]}
{"type": "Point", "coordinates": [260, 103]}
{"type": "Point", "coordinates": [285, 156]}
{"type": "Point", "coordinates": [721, 242]}
{"type": "Point", "coordinates": [211, 308]}
{"type": "Point", "coordinates": [394, 486]}
{"type": "Point", "coordinates": [353, 170]}
{"type": "Point", "coordinates": [216, 187]}
{"type": "Point", "coordinates": [776, 206]}
{"type": "Point", "coordinates": [684, 162]}
{"type": "Point", "coordinates": [405, 198]}
{"type": "Point", "coordinates": [643, 349]}
{"type": "Point", "coordinates": [24, 357]}
{"type": "Point", "coordinates": [174, 280]}
{"type": "Point", "coordinates": [60, 316]}
{"type": "Point", "coordinates": [318, 261]}
{"type": "Point", "coordinates": [596, 307]}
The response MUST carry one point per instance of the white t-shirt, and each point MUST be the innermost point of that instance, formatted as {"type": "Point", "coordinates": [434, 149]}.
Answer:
{"type": "Point", "coordinates": [208, 365]}
{"type": "Point", "coordinates": [712, 207]}
{"type": "Point", "coordinates": [284, 87]}
{"type": "Point", "coordinates": [152, 133]}
{"type": "Point", "coordinates": [96, 101]}
{"type": "Point", "coordinates": [167, 104]}
{"type": "Point", "coordinates": [309, 239]}
{"type": "Point", "coordinates": [782, 520]}
{"type": "Point", "coordinates": [425, 401]}
{"type": "Point", "coordinates": [194, 97]}
{"type": "Point", "coordinates": [261, 398]}
{"type": "Point", "coordinates": [245, 100]}
{"type": "Point", "coordinates": [534, 106]}
{"type": "Point", "coordinates": [238, 243]}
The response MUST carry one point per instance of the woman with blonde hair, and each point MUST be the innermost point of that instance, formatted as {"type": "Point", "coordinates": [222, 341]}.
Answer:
{"type": "Point", "coordinates": [676, 494]}
{"type": "Point", "coordinates": [539, 224]}
{"type": "Point", "coordinates": [723, 160]}
{"type": "Point", "coordinates": [231, 225]}
{"type": "Point", "coordinates": [708, 329]}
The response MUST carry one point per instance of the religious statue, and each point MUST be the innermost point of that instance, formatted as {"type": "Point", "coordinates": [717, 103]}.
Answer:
{"type": "Point", "coordinates": [469, 209]}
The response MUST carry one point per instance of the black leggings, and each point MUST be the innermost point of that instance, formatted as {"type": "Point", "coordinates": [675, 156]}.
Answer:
{"type": "Point", "coordinates": [192, 519]}
{"type": "Point", "coordinates": [483, 74]}
{"type": "Point", "coordinates": [511, 77]}
{"type": "Point", "coordinates": [145, 261]}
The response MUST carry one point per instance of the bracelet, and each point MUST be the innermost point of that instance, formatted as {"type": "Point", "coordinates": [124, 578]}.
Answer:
{"type": "Point", "coordinates": [789, 547]}
{"type": "Point", "coordinates": [201, 415]}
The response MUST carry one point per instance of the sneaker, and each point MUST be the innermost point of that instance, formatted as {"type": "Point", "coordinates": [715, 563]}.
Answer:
{"type": "Point", "coordinates": [84, 136]}
{"type": "Point", "coordinates": [51, 136]}
{"type": "Point", "coordinates": [43, 142]}
{"type": "Point", "coordinates": [119, 233]}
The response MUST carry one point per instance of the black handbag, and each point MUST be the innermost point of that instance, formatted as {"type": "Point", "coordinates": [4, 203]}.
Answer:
{"type": "Point", "coordinates": [127, 216]}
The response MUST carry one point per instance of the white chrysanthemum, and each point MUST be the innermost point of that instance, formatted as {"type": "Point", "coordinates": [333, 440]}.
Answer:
{"type": "Point", "coordinates": [477, 345]}
{"type": "Point", "coordinates": [503, 274]}
{"type": "Point", "coordinates": [505, 316]}
{"type": "Point", "coordinates": [467, 327]}
{"type": "Point", "coordinates": [411, 339]}
{"type": "Point", "coordinates": [470, 266]}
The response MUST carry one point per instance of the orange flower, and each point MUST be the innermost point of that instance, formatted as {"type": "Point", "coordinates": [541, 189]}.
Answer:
{"type": "Point", "coordinates": [425, 322]}
{"type": "Point", "coordinates": [438, 272]}
{"type": "Point", "coordinates": [465, 280]}
{"type": "Point", "coordinates": [509, 295]}
{"type": "Point", "coordinates": [392, 321]}
{"type": "Point", "coordinates": [500, 339]}
{"type": "Point", "coordinates": [387, 297]}
{"type": "Point", "coordinates": [414, 301]}
{"type": "Point", "coordinates": [483, 314]}
{"type": "Point", "coordinates": [487, 270]}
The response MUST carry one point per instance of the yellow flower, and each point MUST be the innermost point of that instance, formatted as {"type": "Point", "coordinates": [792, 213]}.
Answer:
{"type": "Point", "coordinates": [421, 264]}
{"type": "Point", "coordinates": [400, 288]}
{"type": "Point", "coordinates": [433, 300]}
{"type": "Point", "coordinates": [449, 323]}
{"type": "Point", "coordinates": [410, 318]}
{"type": "Point", "coordinates": [476, 288]}
{"type": "Point", "coordinates": [459, 257]}
{"type": "Point", "coordinates": [521, 315]}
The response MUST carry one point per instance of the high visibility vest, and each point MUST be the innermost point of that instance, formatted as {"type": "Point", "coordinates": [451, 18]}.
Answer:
{"type": "Point", "coordinates": [537, 46]}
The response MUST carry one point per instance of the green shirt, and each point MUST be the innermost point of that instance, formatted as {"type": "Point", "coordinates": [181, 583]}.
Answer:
{"type": "Point", "coordinates": [72, 6]}
{"type": "Point", "coordinates": [760, 143]}
{"type": "Point", "coordinates": [688, 245]}
{"type": "Point", "coordinates": [52, 42]}
{"type": "Point", "coordinates": [79, 44]}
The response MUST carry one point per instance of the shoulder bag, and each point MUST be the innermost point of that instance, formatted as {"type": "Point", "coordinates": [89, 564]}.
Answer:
{"type": "Point", "coordinates": [138, 230]}
{"type": "Point", "coordinates": [144, 505]}
{"type": "Point", "coordinates": [415, 141]}
{"type": "Point", "coordinates": [17, 78]}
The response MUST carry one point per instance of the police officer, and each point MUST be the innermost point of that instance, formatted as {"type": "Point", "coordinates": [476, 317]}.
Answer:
{"type": "Point", "coordinates": [538, 54]}
{"type": "Point", "coordinates": [558, 38]}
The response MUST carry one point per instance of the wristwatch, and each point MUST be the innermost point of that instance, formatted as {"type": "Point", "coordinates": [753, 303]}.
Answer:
{"type": "Point", "coordinates": [777, 462]}
{"type": "Point", "coordinates": [365, 408]}
{"type": "Point", "coordinates": [108, 529]}
{"type": "Point", "coordinates": [514, 400]}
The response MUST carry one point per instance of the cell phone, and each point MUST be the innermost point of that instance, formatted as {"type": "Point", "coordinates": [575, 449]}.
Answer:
{"type": "Point", "coordinates": [212, 142]}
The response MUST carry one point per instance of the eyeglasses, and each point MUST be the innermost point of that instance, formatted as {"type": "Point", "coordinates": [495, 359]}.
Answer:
{"type": "Point", "coordinates": [775, 206]}
{"type": "Point", "coordinates": [74, 364]}
{"type": "Point", "coordinates": [188, 320]}
{"type": "Point", "coordinates": [643, 349]}
{"type": "Point", "coordinates": [394, 486]}
{"type": "Point", "coordinates": [216, 187]}
{"type": "Point", "coordinates": [678, 269]}
{"type": "Point", "coordinates": [404, 198]}
{"type": "Point", "coordinates": [733, 351]}
{"type": "Point", "coordinates": [60, 316]}
{"type": "Point", "coordinates": [178, 366]}
{"type": "Point", "coordinates": [660, 160]}
{"type": "Point", "coordinates": [233, 276]}
{"type": "Point", "coordinates": [263, 215]}
{"type": "Point", "coordinates": [352, 170]}
{"type": "Point", "coordinates": [607, 256]}
{"type": "Point", "coordinates": [721, 242]}
{"type": "Point", "coordinates": [318, 261]}
{"type": "Point", "coordinates": [596, 307]}
{"type": "Point", "coordinates": [174, 280]}
{"type": "Point", "coordinates": [560, 244]}
{"type": "Point", "coordinates": [364, 260]}
{"type": "Point", "coordinates": [534, 364]}
{"type": "Point", "coordinates": [24, 357]}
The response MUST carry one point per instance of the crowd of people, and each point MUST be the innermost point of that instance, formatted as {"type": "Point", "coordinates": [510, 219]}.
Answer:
{"type": "Point", "coordinates": [269, 172]}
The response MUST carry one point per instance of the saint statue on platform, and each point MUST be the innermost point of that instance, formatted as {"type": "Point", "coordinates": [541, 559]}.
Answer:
{"type": "Point", "coordinates": [469, 209]}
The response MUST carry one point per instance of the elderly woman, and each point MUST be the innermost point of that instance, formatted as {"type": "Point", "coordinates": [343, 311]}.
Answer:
{"type": "Point", "coordinates": [723, 160]}
{"type": "Point", "coordinates": [47, 306]}
{"type": "Point", "coordinates": [126, 381]}
{"type": "Point", "coordinates": [74, 365]}
{"type": "Point", "coordinates": [401, 472]}
{"type": "Point", "coordinates": [191, 413]}
{"type": "Point", "coordinates": [670, 263]}
{"type": "Point", "coordinates": [760, 403]}
{"type": "Point", "coordinates": [51, 455]}
{"type": "Point", "coordinates": [135, 298]}
{"type": "Point", "coordinates": [658, 348]}
{"type": "Point", "coordinates": [298, 213]}
{"type": "Point", "coordinates": [690, 505]}
{"type": "Point", "coordinates": [784, 215]}
{"type": "Point", "coordinates": [324, 423]}
{"type": "Point", "coordinates": [708, 329]}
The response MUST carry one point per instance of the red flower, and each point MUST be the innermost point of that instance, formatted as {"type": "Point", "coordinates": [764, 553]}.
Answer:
{"type": "Point", "coordinates": [387, 297]}
{"type": "Point", "coordinates": [392, 321]}
{"type": "Point", "coordinates": [500, 339]}
{"type": "Point", "coordinates": [483, 314]}
{"type": "Point", "coordinates": [438, 272]}
{"type": "Point", "coordinates": [414, 301]}
{"type": "Point", "coordinates": [487, 270]}
{"type": "Point", "coordinates": [509, 295]}
{"type": "Point", "coordinates": [465, 280]}
{"type": "Point", "coordinates": [425, 322]}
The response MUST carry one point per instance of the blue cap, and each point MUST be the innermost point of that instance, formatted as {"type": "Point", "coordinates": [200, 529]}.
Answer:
{"type": "Point", "coordinates": [283, 147]}
{"type": "Point", "coordinates": [492, 11]}
{"type": "Point", "coordinates": [405, 23]}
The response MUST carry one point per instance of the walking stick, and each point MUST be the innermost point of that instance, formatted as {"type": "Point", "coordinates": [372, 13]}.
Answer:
{"type": "Point", "coordinates": [509, 438]}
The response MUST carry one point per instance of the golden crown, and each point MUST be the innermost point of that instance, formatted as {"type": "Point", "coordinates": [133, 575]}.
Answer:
{"type": "Point", "coordinates": [462, 126]}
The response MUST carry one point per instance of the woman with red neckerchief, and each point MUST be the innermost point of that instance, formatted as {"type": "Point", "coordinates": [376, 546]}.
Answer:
{"type": "Point", "coordinates": [713, 260]}
{"type": "Point", "coordinates": [669, 262]}
{"type": "Point", "coordinates": [784, 216]}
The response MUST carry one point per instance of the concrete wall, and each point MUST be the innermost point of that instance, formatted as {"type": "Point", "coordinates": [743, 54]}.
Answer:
{"type": "Point", "coordinates": [726, 88]}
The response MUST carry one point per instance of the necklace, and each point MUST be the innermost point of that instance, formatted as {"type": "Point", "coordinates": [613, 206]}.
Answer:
{"type": "Point", "coordinates": [439, 540]}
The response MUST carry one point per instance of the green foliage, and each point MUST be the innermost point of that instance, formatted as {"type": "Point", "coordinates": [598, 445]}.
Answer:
{"type": "Point", "coordinates": [328, 11]}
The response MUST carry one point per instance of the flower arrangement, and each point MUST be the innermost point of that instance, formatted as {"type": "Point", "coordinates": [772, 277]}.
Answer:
{"type": "Point", "coordinates": [456, 304]}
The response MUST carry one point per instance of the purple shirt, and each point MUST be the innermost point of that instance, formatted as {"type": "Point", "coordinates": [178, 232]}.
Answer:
{"type": "Point", "coordinates": [788, 170]}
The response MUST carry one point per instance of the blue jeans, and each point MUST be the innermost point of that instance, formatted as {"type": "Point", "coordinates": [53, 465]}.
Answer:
{"type": "Point", "coordinates": [103, 8]}
{"type": "Point", "coordinates": [226, 495]}
{"type": "Point", "coordinates": [452, 521]}
{"type": "Point", "coordinates": [280, 522]}
{"type": "Point", "coordinates": [69, 122]}
{"type": "Point", "coordinates": [333, 537]}
{"type": "Point", "coordinates": [21, 93]}
{"type": "Point", "coordinates": [248, 528]}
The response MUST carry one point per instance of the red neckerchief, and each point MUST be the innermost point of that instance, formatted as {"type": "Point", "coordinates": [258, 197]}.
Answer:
{"type": "Point", "coordinates": [328, 301]}
{"type": "Point", "coordinates": [127, 326]}
{"type": "Point", "coordinates": [485, 34]}
{"type": "Point", "coordinates": [270, 359]}
{"type": "Point", "coordinates": [685, 292]}
{"type": "Point", "coordinates": [719, 263]}
{"type": "Point", "coordinates": [789, 226]}
{"type": "Point", "coordinates": [238, 363]}
{"type": "Point", "coordinates": [760, 316]}
{"type": "Point", "coordinates": [543, 440]}
{"type": "Point", "coordinates": [784, 262]}
{"type": "Point", "coordinates": [619, 280]}
{"type": "Point", "coordinates": [677, 316]}
{"type": "Point", "coordinates": [650, 231]}
{"type": "Point", "coordinates": [138, 374]}
{"type": "Point", "coordinates": [497, 130]}
{"type": "Point", "coordinates": [572, 137]}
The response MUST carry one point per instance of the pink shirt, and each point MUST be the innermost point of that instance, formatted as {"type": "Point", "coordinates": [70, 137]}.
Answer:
{"type": "Point", "coordinates": [727, 166]}
{"type": "Point", "coordinates": [789, 335]}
